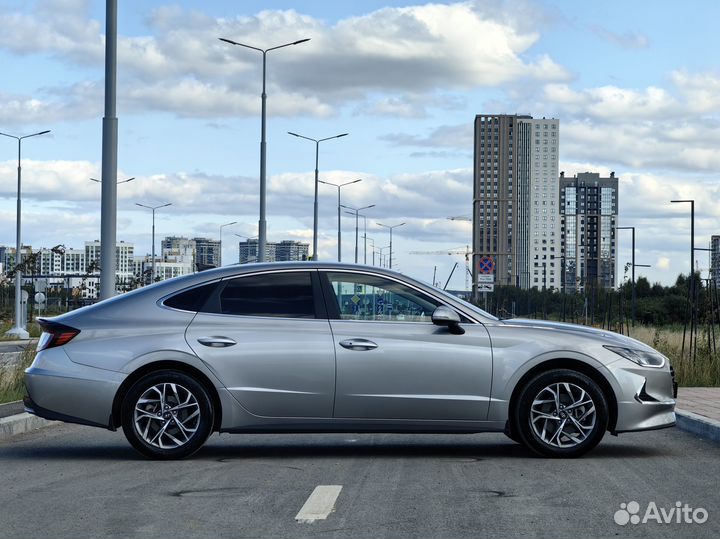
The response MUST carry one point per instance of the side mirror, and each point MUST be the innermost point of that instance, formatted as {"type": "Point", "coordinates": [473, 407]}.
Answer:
{"type": "Point", "coordinates": [445, 316]}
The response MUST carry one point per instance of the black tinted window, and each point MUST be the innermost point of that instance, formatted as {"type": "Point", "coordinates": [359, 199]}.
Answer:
{"type": "Point", "coordinates": [191, 300]}
{"type": "Point", "coordinates": [277, 294]}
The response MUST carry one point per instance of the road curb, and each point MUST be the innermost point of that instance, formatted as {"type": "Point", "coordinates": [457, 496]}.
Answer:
{"type": "Point", "coordinates": [22, 423]}
{"type": "Point", "coordinates": [697, 424]}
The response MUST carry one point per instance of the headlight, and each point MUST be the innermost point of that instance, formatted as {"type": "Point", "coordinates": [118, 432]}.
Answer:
{"type": "Point", "coordinates": [641, 357]}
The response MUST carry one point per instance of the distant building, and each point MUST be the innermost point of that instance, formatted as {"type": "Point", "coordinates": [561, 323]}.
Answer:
{"type": "Point", "coordinates": [588, 208]}
{"type": "Point", "coordinates": [207, 252]}
{"type": "Point", "coordinates": [515, 214]}
{"type": "Point", "coordinates": [715, 259]}
{"type": "Point", "coordinates": [283, 251]}
{"type": "Point", "coordinates": [178, 249]}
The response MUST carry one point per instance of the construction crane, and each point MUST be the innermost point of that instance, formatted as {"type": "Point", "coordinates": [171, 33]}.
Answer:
{"type": "Point", "coordinates": [459, 218]}
{"type": "Point", "coordinates": [453, 252]}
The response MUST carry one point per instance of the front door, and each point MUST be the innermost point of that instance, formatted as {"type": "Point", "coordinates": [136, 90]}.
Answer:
{"type": "Point", "coordinates": [268, 340]}
{"type": "Point", "coordinates": [394, 363]}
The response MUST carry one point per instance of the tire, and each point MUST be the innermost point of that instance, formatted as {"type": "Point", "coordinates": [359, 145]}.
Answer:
{"type": "Point", "coordinates": [566, 427]}
{"type": "Point", "coordinates": [185, 417]}
{"type": "Point", "coordinates": [510, 434]}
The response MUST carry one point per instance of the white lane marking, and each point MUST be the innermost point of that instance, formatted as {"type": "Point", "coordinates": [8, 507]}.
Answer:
{"type": "Point", "coordinates": [320, 504]}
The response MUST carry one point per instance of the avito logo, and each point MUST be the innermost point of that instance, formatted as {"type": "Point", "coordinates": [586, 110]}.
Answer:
{"type": "Point", "coordinates": [680, 513]}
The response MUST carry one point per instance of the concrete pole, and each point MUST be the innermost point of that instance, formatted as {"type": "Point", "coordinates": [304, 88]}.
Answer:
{"type": "Point", "coordinates": [19, 329]}
{"type": "Point", "coordinates": [634, 292]}
{"type": "Point", "coordinates": [153, 246]}
{"type": "Point", "coordinates": [365, 239]}
{"type": "Point", "coordinates": [108, 206]}
{"type": "Point", "coordinates": [315, 205]}
{"type": "Point", "coordinates": [339, 228]}
{"type": "Point", "coordinates": [356, 236]}
{"type": "Point", "coordinates": [262, 222]}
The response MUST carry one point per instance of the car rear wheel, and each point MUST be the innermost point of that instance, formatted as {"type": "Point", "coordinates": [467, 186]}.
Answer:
{"type": "Point", "coordinates": [167, 415]}
{"type": "Point", "coordinates": [561, 413]}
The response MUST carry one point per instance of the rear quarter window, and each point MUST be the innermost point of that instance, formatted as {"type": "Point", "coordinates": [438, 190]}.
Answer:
{"type": "Point", "coordinates": [192, 299]}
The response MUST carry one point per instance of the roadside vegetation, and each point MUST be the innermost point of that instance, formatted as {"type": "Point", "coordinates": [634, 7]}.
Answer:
{"type": "Point", "coordinates": [12, 373]}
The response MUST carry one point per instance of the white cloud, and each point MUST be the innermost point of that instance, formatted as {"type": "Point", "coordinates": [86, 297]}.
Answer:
{"type": "Point", "coordinates": [415, 49]}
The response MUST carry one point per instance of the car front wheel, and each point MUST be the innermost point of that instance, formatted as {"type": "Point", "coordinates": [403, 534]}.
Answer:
{"type": "Point", "coordinates": [167, 415]}
{"type": "Point", "coordinates": [561, 413]}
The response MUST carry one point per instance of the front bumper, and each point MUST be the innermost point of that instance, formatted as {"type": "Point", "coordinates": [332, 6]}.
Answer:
{"type": "Point", "coordinates": [647, 397]}
{"type": "Point", "coordinates": [62, 390]}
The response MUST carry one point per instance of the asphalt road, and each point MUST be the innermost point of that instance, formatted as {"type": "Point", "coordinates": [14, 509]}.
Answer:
{"type": "Point", "coordinates": [71, 481]}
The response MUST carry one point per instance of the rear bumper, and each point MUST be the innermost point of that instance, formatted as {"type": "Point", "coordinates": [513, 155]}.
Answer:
{"type": "Point", "coordinates": [32, 408]}
{"type": "Point", "coordinates": [61, 390]}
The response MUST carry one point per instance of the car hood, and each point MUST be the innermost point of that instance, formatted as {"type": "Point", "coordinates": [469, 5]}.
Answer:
{"type": "Point", "coordinates": [610, 337]}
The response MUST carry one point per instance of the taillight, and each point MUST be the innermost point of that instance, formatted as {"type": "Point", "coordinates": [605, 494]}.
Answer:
{"type": "Point", "coordinates": [55, 334]}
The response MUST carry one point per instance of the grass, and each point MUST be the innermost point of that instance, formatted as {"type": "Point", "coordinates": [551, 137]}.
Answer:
{"type": "Point", "coordinates": [11, 377]}
{"type": "Point", "coordinates": [33, 329]}
{"type": "Point", "coordinates": [702, 371]}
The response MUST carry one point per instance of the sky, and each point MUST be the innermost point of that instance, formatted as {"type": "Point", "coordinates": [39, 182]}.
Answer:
{"type": "Point", "coordinates": [636, 86]}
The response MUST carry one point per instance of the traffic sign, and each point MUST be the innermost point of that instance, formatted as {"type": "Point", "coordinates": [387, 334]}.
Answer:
{"type": "Point", "coordinates": [485, 287]}
{"type": "Point", "coordinates": [40, 297]}
{"type": "Point", "coordinates": [486, 265]}
{"type": "Point", "coordinates": [486, 278]}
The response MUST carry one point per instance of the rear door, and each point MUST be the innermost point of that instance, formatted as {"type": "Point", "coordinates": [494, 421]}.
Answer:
{"type": "Point", "coordinates": [267, 338]}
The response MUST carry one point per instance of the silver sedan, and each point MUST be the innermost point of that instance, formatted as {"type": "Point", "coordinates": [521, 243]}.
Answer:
{"type": "Point", "coordinates": [323, 347]}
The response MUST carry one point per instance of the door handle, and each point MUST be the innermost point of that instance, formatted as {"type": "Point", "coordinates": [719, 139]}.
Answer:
{"type": "Point", "coordinates": [216, 342]}
{"type": "Point", "coordinates": [358, 344]}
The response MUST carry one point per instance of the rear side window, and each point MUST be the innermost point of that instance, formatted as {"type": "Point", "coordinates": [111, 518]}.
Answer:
{"type": "Point", "coordinates": [287, 295]}
{"type": "Point", "coordinates": [192, 299]}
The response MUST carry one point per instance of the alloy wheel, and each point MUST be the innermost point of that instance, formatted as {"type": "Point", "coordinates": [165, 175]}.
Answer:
{"type": "Point", "coordinates": [563, 415]}
{"type": "Point", "coordinates": [167, 415]}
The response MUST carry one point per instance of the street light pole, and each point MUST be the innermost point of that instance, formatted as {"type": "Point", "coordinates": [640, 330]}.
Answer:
{"type": "Point", "coordinates": [108, 198]}
{"type": "Point", "coordinates": [19, 329]}
{"type": "Point", "coordinates": [221, 247]}
{"type": "Point", "coordinates": [339, 186]}
{"type": "Point", "coordinates": [153, 208]}
{"type": "Point", "coordinates": [315, 206]}
{"type": "Point", "coordinates": [356, 213]}
{"type": "Point", "coordinates": [391, 232]}
{"type": "Point", "coordinates": [634, 295]}
{"type": "Point", "coordinates": [262, 222]}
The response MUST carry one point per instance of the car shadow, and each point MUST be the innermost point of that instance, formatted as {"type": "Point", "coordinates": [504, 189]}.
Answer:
{"type": "Point", "coordinates": [237, 448]}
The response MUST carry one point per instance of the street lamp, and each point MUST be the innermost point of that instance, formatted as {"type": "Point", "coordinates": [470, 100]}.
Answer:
{"type": "Point", "coordinates": [356, 212]}
{"type": "Point", "coordinates": [19, 330]}
{"type": "Point", "coordinates": [123, 181]}
{"type": "Point", "coordinates": [391, 231]}
{"type": "Point", "coordinates": [153, 208]}
{"type": "Point", "coordinates": [372, 249]}
{"type": "Point", "coordinates": [315, 207]}
{"type": "Point", "coordinates": [365, 238]}
{"type": "Point", "coordinates": [262, 225]}
{"type": "Point", "coordinates": [339, 186]}
{"type": "Point", "coordinates": [634, 265]}
{"type": "Point", "coordinates": [692, 235]}
{"type": "Point", "coordinates": [221, 227]}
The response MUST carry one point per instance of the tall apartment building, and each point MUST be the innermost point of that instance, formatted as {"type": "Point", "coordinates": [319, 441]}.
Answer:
{"type": "Point", "coordinates": [588, 207]}
{"type": "Point", "coordinates": [515, 214]}
{"type": "Point", "coordinates": [283, 251]}
{"type": "Point", "coordinates": [207, 252]}
{"type": "Point", "coordinates": [715, 259]}
{"type": "Point", "coordinates": [123, 255]}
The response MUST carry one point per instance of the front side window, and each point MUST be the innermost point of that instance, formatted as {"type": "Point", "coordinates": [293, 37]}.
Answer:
{"type": "Point", "coordinates": [287, 295]}
{"type": "Point", "coordinates": [367, 297]}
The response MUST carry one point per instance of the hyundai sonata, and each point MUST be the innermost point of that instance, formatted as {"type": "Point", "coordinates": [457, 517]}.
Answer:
{"type": "Point", "coordinates": [324, 347]}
